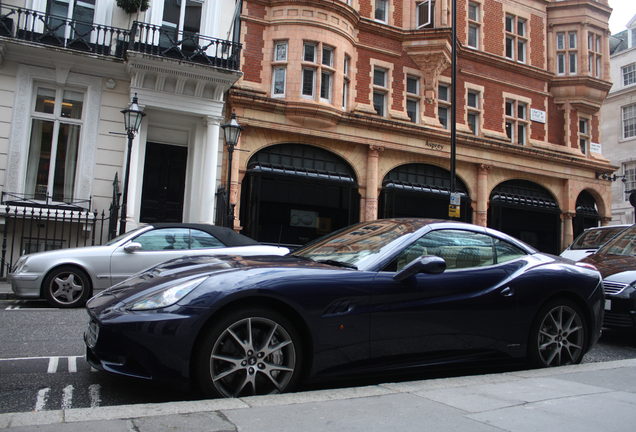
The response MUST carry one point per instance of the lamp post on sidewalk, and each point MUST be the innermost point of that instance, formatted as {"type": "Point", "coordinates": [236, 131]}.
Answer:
{"type": "Point", "coordinates": [132, 120]}
{"type": "Point", "coordinates": [232, 130]}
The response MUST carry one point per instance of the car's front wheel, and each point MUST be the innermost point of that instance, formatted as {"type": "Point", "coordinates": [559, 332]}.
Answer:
{"type": "Point", "coordinates": [67, 287]}
{"type": "Point", "coordinates": [251, 351]}
{"type": "Point", "coordinates": [558, 335]}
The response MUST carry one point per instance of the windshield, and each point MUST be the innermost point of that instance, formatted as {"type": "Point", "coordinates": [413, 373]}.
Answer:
{"type": "Point", "coordinates": [595, 238]}
{"type": "Point", "coordinates": [623, 244]}
{"type": "Point", "coordinates": [119, 237]}
{"type": "Point", "coordinates": [358, 243]}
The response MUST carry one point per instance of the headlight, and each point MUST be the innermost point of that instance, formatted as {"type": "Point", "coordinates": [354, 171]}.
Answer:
{"type": "Point", "coordinates": [167, 296]}
{"type": "Point", "coordinates": [20, 266]}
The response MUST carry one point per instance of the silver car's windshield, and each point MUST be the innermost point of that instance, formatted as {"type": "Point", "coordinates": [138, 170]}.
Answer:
{"type": "Point", "coordinates": [119, 237]}
{"type": "Point", "coordinates": [622, 244]}
{"type": "Point", "coordinates": [352, 245]}
{"type": "Point", "coordinates": [595, 238]}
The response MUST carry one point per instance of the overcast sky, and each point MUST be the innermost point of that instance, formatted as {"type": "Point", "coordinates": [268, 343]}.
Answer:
{"type": "Point", "coordinates": [623, 12]}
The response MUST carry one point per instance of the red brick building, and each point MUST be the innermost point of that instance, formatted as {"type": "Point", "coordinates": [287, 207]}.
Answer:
{"type": "Point", "coordinates": [347, 105]}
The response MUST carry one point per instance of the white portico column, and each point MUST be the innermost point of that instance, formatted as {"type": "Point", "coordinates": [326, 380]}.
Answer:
{"type": "Point", "coordinates": [209, 170]}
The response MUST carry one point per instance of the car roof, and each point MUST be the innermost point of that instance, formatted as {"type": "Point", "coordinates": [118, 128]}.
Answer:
{"type": "Point", "coordinates": [227, 236]}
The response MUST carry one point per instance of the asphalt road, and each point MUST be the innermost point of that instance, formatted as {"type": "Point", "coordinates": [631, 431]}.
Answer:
{"type": "Point", "coordinates": [42, 365]}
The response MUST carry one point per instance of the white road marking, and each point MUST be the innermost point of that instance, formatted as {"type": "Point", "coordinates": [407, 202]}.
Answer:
{"type": "Point", "coordinates": [94, 395]}
{"type": "Point", "coordinates": [72, 363]}
{"type": "Point", "coordinates": [67, 397]}
{"type": "Point", "coordinates": [53, 362]}
{"type": "Point", "coordinates": [43, 397]}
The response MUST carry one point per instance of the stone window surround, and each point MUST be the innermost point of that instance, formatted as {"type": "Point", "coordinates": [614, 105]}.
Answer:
{"type": "Point", "coordinates": [525, 101]}
{"type": "Point", "coordinates": [17, 156]}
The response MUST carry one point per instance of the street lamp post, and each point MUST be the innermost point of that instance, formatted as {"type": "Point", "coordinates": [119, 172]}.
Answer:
{"type": "Point", "coordinates": [232, 130]}
{"type": "Point", "coordinates": [132, 120]}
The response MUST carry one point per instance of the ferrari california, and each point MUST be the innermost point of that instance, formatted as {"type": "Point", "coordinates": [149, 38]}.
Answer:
{"type": "Point", "coordinates": [380, 296]}
{"type": "Point", "coordinates": [66, 278]}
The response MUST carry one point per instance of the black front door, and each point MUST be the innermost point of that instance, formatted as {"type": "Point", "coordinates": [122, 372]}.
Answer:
{"type": "Point", "coordinates": [164, 183]}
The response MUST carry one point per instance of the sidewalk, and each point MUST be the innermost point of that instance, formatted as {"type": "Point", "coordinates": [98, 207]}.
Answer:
{"type": "Point", "coordinates": [589, 397]}
{"type": "Point", "coordinates": [5, 289]}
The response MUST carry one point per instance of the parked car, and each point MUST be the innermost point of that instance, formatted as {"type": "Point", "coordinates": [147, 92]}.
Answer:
{"type": "Point", "coordinates": [383, 295]}
{"type": "Point", "coordinates": [68, 277]}
{"type": "Point", "coordinates": [590, 240]}
{"type": "Point", "coordinates": [616, 261]}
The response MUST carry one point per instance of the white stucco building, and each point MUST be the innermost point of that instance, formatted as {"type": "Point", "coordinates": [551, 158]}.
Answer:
{"type": "Point", "coordinates": [68, 68]}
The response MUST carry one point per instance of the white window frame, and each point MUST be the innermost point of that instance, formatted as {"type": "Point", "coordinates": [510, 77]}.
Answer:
{"type": "Point", "coordinates": [474, 25]}
{"type": "Point", "coordinates": [567, 53]}
{"type": "Point", "coordinates": [17, 154]}
{"type": "Point", "coordinates": [283, 70]}
{"type": "Point", "coordinates": [314, 47]}
{"type": "Point", "coordinates": [329, 61]}
{"type": "Point", "coordinates": [516, 37]}
{"type": "Point", "coordinates": [628, 121]}
{"type": "Point", "coordinates": [313, 71]}
{"type": "Point", "coordinates": [326, 84]}
{"type": "Point", "coordinates": [345, 82]}
{"type": "Point", "coordinates": [473, 110]}
{"type": "Point", "coordinates": [383, 107]}
{"type": "Point", "coordinates": [629, 185]}
{"type": "Point", "coordinates": [629, 74]}
{"type": "Point", "coordinates": [516, 119]}
{"type": "Point", "coordinates": [444, 103]}
{"type": "Point", "coordinates": [381, 14]}
{"type": "Point", "coordinates": [277, 52]}
{"type": "Point", "coordinates": [584, 135]}
{"type": "Point", "coordinates": [427, 9]}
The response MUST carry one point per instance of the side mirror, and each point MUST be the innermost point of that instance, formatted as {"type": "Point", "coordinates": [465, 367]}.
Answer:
{"type": "Point", "coordinates": [132, 247]}
{"type": "Point", "coordinates": [429, 264]}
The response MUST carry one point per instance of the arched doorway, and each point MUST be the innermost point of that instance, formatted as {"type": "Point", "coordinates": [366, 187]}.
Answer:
{"type": "Point", "coordinates": [421, 190]}
{"type": "Point", "coordinates": [294, 193]}
{"type": "Point", "coordinates": [527, 211]}
{"type": "Point", "coordinates": [586, 213]}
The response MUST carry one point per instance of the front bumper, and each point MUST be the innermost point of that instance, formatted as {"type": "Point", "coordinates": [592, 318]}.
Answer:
{"type": "Point", "coordinates": [154, 344]}
{"type": "Point", "coordinates": [25, 285]}
{"type": "Point", "coordinates": [620, 306]}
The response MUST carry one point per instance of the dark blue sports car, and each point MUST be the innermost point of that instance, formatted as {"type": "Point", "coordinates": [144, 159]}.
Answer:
{"type": "Point", "coordinates": [384, 295]}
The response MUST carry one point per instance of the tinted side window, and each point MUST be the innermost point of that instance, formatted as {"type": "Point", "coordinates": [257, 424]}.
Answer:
{"type": "Point", "coordinates": [164, 239]}
{"type": "Point", "coordinates": [203, 240]}
{"type": "Point", "coordinates": [507, 251]}
{"type": "Point", "coordinates": [460, 249]}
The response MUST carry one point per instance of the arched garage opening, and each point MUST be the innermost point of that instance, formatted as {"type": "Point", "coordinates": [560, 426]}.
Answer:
{"type": "Point", "coordinates": [586, 213]}
{"type": "Point", "coordinates": [527, 211]}
{"type": "Point", "coordinates": [294, 193]}
{"type": "Point", "coordinates": [421, 190]}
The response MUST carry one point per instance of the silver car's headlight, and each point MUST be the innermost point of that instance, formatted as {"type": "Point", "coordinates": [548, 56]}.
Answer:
{"type": "Point", "coordinates": [21, 266]}
{"type": "Point", "coordinates": [168, 296]}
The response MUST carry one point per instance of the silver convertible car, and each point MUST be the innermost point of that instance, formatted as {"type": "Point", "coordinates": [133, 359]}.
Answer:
{"type": "Point", "coordinates": [66, 278]}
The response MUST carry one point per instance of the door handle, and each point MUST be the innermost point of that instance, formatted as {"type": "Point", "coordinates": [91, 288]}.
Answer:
{"type": "Point", "coordinates": [507, 292]}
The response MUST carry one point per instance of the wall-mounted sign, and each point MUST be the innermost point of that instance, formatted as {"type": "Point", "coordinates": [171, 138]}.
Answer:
{"type": "Point", "coordinates": [596, 148]}
{"type": "Point", "coordinates": [537, 115]}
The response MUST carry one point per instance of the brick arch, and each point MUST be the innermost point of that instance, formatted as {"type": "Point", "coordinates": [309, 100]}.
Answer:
{"type": "Point", "coordinates": [351, 158]}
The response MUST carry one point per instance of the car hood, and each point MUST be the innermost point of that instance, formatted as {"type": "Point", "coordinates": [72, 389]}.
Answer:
{"type": "Point", "coordinates": [614, 267]}
{"type": "Point", "coordinates": [70, 252]}
{"type": "Point", "coordinates": [185, 268]}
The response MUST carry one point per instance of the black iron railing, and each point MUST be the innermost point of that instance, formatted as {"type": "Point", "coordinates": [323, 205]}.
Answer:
{"type": "Point", "coordinates": [40, 28]}
{"type": "Point", "coordinates": [32, 224]}
{"type": "Point", "coordinates": [34, 229]}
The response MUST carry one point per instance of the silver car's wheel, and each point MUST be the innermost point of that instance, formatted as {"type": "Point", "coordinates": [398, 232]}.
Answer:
{"type": "Point", "coordinates": [250, 352]}
{"type": "Point", "coordinates": [66, 287]}
{"type": "Point", "coordinates": [558, 336]}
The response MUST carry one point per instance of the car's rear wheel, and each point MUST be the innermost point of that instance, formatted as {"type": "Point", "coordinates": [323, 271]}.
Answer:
{"type": "Point", "coordinates": [251, 351]}
{"type": "Point", "coordinates": [558, 336]}
{"type": "Point", "coordinates": [67, 287]}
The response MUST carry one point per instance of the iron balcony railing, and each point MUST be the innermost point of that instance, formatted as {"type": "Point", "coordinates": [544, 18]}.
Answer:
{"type": "Point", "coordinates": [51, 30]}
